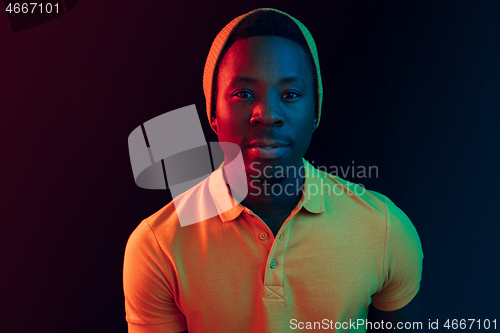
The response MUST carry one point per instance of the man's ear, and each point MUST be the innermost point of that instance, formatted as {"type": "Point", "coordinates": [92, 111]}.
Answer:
{"type": "Point", "coordinates": [315, 124]}
{"type": "Point", "coordinates": [213, 122]}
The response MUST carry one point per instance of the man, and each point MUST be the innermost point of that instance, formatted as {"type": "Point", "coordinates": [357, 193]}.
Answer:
{"type": "Point", "coordinates": [304, 249]}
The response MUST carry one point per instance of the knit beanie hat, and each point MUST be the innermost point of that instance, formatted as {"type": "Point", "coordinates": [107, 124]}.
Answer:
{"type": "Point", "coordinates": [230, 34]}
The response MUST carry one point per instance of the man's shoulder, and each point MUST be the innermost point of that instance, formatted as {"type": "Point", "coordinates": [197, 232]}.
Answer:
{"type": "Point", "coordinates": [367, 207]}
{"type": "Point", "coordinates": [162, 224]}
{"type": "Point", "coordinates": [358, 197]}
{"type": "Point", "coordinates": [168, 217]}
{"type": "Point", "coordinates": [351, 192]}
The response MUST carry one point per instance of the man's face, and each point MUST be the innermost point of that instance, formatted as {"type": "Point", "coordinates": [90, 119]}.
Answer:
{"type": "Point", "coordinates": [266, 103]}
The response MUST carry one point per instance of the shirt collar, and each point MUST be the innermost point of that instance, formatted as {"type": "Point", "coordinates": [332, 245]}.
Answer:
{"type": "Point", "coordinates": [228, 209]}
{"type": "Point", "coordinates": [314, 200]}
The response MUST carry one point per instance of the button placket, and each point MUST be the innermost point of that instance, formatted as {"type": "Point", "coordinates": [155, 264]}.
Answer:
{"type": "Point", "coordinates": [274, 287]}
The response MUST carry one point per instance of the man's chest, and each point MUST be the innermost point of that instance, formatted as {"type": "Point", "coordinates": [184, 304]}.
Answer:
{"type": "Point", "coordinates": [274, 223]}
{"type": "Point", "coordinates": [310, 272]}
{"type": "Point", "coordinates": [275, 220]}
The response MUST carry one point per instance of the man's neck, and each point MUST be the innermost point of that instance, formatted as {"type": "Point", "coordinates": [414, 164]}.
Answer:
{"type": "Point", "coordinates": [278, 199]}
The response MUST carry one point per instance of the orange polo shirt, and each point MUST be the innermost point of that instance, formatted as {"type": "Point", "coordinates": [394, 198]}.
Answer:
{"type": "Point", "coordinates": [334, 255]}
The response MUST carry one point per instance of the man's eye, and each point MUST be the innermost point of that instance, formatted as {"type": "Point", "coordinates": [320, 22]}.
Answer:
{"type": "Point", "coordinates": [291, 95]}
{"type": "Point", "coordinates": [243, 94]}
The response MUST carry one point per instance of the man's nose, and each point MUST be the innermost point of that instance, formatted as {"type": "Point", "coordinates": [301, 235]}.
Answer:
{"type": "Point", "coordinates": [267, 112]}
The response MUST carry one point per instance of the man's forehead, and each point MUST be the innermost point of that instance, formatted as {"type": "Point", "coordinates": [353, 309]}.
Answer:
{"type": "Point", "coordinates": [264, 48]}
{"type": "Point", "coordinates": [283, 80]}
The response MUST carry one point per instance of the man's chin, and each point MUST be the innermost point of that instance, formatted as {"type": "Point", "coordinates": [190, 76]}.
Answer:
{"type": "Point", "coordinates": [269, 174]}
{"type": "Point", "coordinates": [275, 168]}
{"type": "Point", "coordinates": [266, 180]}
{"type": "Point", "coordinates": [267, 169]}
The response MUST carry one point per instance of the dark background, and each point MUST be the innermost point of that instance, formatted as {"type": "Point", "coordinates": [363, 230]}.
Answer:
{"type": "Point", "coordinates": [411, 87]}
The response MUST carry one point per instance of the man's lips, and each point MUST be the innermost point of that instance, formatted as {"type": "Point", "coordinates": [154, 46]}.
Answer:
{"type": "Point", "coordinates": [267, 144]}
{"type": "Point", "coordinates": [267, 149]}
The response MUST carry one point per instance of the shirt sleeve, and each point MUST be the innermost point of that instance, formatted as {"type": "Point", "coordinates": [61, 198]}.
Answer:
{"type": "Point", "coordinates": [403, 259]}
{"type": "Point", "coordinates": [149, 304]}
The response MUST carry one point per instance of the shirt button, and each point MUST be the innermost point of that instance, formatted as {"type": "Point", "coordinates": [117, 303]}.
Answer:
{"type": "Point", "coordinates": [263, 236]}
{"type": "Point", "coordinates": [273, 263]}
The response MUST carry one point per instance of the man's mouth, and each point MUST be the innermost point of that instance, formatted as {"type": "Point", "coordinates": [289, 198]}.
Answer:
{"type": "Point", "coordinates": [268, 151]}
{"type": "Point", "coordinates": [266, 144]}
{"type": "Point", "coordinates": [268, 147]}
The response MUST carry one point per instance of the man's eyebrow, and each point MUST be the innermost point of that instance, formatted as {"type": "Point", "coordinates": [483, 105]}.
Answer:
{"type": "Point", "coordinates": [289, 79]}
{"type": "Point", "coordinates": [244, 79]}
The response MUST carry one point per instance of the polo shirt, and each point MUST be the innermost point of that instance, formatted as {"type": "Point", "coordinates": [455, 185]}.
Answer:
{"type": "Point", "coordinates": [338, 251]}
